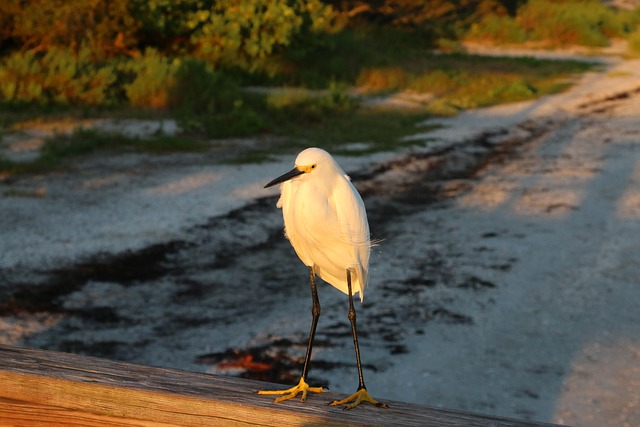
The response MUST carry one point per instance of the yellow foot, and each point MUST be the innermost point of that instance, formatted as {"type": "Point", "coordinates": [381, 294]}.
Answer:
{"type": "Point", "coordinates": [302, 387]}
{"type": "Point", "coordinates": [357, 398]}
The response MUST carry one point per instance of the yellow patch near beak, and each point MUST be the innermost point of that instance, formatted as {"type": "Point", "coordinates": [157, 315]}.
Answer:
{"type": "Point", "coordinates": [306, 168]}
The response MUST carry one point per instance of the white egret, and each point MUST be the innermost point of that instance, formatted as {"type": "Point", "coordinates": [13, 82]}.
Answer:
{"type": "Point", "coordinates": [326, 222]}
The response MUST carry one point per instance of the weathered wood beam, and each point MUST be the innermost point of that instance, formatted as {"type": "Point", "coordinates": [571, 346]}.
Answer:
{"type": "Point", "coordinates": [47, 388]}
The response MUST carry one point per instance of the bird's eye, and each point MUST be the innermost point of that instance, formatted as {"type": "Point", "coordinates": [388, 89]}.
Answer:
{"type": "Point", "coordinates": [313, 166]}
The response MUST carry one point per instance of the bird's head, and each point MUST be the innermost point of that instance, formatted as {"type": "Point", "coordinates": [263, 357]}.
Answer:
{"type": "Point", "coordinates": [309, 161]}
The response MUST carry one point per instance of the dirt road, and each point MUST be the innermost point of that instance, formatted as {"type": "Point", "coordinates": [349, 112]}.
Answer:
{"type": "Point", "coordinates": [547, 237]}
{"type": "Point", "coordinates": [505, 282]}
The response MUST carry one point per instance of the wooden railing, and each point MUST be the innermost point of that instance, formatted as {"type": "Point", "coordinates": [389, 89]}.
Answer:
{"type": "Point", "coordinates": [46, 388]}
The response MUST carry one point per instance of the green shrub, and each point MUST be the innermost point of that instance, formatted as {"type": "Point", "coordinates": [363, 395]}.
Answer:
{"type": "Point", "coordinates": [305, 106]}
{"type": "Point", "coordinates": [494, 28]}
{"type": "Point", "coordinates": [57, 77]}
{"type": "Point", "coordinates": [244, 32]}
{"type": "Point", "coordinates": [210, 101]}
{"type": "Point", "coordinates": [105, 27]}
{"type": "Point", "coordinates": [376, 79]}
{"type": "Point", "coordinates": [437, 82]}
{"type": "Point", "coordinates": [200, 89]}
{"type": "Point", "coordinates": [337, 98]}
{"type": "Point", "coordinates": [152, 79]}
{"type": "Point", "coordinates": [586, 22]}
{"type": "Point", "coordinates": [557, 23]}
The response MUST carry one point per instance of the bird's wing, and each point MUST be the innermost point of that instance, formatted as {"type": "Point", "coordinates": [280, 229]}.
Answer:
{"type": "Point", "coordinates": [351, 214]}
{"type": "Point", "coordinates": [354, 227]}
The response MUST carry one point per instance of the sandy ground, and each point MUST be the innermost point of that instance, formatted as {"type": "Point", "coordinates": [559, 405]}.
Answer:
{"type": "Point", "coordinates": [554, 229]}
{"type": "Point", "coordinates": [505, 281]}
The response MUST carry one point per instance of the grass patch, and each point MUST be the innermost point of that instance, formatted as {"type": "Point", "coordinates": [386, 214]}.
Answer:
{"type": "Point", "coordinates": [37, 193]}
{"type": "Point", "coordinates": [380, 129]}
{"type": "Point", "coordinates": [634, 44]}
{"type": "Point", "coordinates": [373, 130]}
{"type": "Point", "coordinates": [59, 149]}
{"type": "Point", "coordinates": [457, 82]}
{"type": "Point", "coordinates": [86, 141]}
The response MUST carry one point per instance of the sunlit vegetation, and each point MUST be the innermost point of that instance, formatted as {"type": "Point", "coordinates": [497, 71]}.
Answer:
{"type": "Point", "coordinates": [216, 66]}
{"type": "Point", "coordinates": [553, 24]}
{"type": "Point", "coordinates": [634, 44]}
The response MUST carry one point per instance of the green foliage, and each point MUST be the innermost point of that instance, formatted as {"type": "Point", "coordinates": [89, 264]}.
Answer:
{"type": "Point", "coordinates": [195, 59]}
{"type": "Point", "coordinates": [373, 129]}
{"type": "Point", "coordinates": [63, 77]}
{"type": "Point", "coordinates": [57, 77]}
{"type": "Point", "coordinates": [164, 24]}
{"type": "Point", "coordinates": [152, 76]}
{"type": "Point", "coordinates": [411, 13]}
{"type": "Point", "coordinates": [556, 23]}
{"type": "Point", "coordinates": [586, 22]}
{"type": "Point", "coordinates": [106, 27]}
{"type": "Point", "coordinates": [307, 107]}
{"type": "Point", "coordinates": [460, 81]}
{"type": "Point", "coordinates": [341, 56]}
{"type": "Point", "coordinates": [380, 129]}
{"type": "Point", "coordinates": [224, 32]}
{"type": "Point", "coordinates": [456, 89]}
{"type": "Point", "coordinates": [210, 101]}
{"type": "Point", "coordinates": [245, 32]}
{"type": "Point", "coordinates": [199, 88]}
{"type": "Point", "coordinates": [497, 29]}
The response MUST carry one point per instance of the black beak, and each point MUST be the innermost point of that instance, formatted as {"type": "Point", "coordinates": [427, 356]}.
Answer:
{"type": "Point", "coordinates": [287, 176]}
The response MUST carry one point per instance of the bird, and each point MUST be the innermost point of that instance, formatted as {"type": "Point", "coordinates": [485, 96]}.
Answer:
{"type": "Point", "coordinates": [326, 223]}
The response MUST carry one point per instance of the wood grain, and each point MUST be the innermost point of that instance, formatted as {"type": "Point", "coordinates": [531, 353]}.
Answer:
{"type": "Point", "coordinates": [48, 388]}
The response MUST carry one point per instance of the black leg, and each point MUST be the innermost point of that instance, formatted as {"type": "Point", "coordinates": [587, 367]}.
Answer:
{"type": "Point", "coordinates": [352, 319]}
{"type": "Point", "coordinates": [302, 386]}
{"type": "Point", "coordinates": [315, 311]}
{"type": "Point", "coordinates": [361, 395]}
